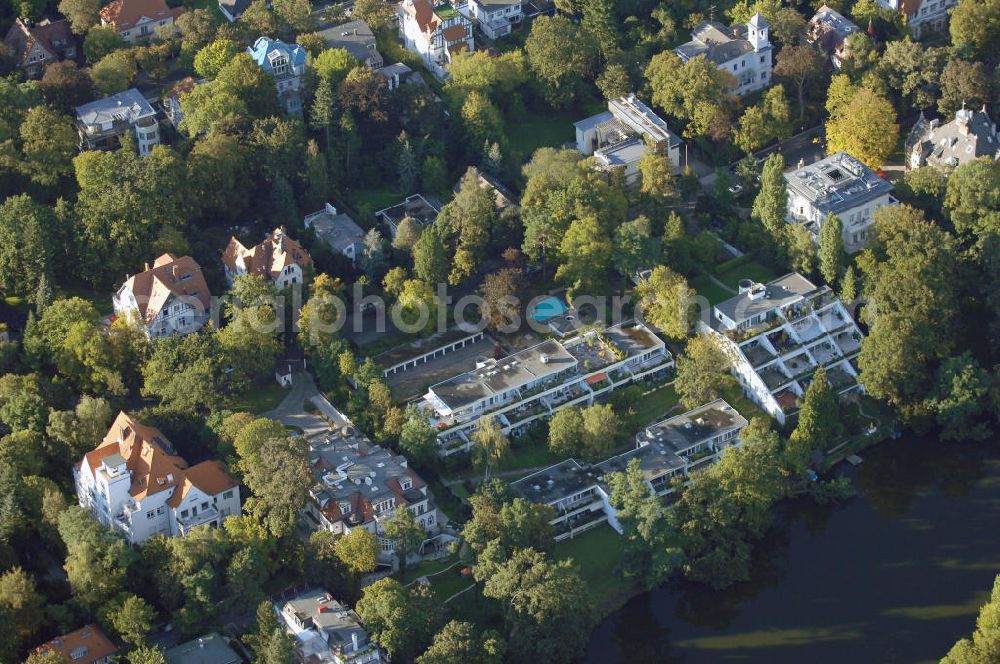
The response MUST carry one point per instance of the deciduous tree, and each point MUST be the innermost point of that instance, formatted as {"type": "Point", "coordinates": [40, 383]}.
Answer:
{"type": "Point", "coordinates": [866, 129]}
{"type": "Point", "coordinates": [701, 371]}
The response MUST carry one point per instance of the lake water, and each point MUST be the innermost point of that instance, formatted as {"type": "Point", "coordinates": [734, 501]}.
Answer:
{"type": "Point", "coordinates": [896, 574]}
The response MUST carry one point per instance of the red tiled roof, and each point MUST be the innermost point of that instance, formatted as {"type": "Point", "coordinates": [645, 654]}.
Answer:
{"type": "Point", "coordinates": [169, 275]}
{"type": "Point", "coordinates": [89, 644]}
{"type": "Point", "coordinates": [268, 258]}
{"type": "Point", "coordinates": [125, 14]}
{"type": "Point", "coordinates": [53, 36]}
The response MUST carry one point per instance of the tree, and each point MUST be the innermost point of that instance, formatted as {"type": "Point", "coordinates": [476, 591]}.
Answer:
{"type": "Point", "coordinates": [787, 26]}
{"type": "Point", "coordinates": [818, 426]}
{"type": "Point", "coordinates": [566, 432]}
{"type": "Point", "coordinates": [693, 91]}
{"type": "Point", "coordinates": [376, 13]}
{"type": "Point", "coordinates": [912, 71]}
{"type": "Point", "coordinates": [656, 173]}
{"type": "Point", "coordinates": [650, 556]}
{"type": "Point", "coordinates": [866, 129]}
{"type": "Point", "coordinates": [417, 437]}
{"type": "Point", "coordinates": [210, 60]}
{"type": "Point", "coordinates": [839, 94]}
{"type": "Point", "coordinates": [258, 19]}
{"type": "Point", "coordinates": [752, 132]}
{"type": "Point", "coordinates": [799, 64]}
{"type": "Point", "coordinates": [296, 14]}
{"type": "Point", "coordinates": [912, 304]}
{"type": "Point", "coordinates": [601, 425]}
{"type": "Point", "coordinates": [65, 86]}
{"type": "Point", "coordinates": [101, 41]}
{"type": "Point", "coordinates": [701, 372]}
{"type": "Point", "coordinates": [430, 261]}
{"type": "Point", "coordinates": [401, 621]}
{"type": "Point", "coordinates": [82, 14]}
{"type": "Point", "coordinates": [963, 83]}
{"type": "Point", "coordinates": [490, 445]}
{"type": "Point", "coordinates": [544, 602]}
{"type": "Point", "coordinates": [614, 81]}
{"type": "Point", "coordinates": [975, 26]}
{"type": "Point", "coordinates": [586, 253]}
{"type": "Point", "coordinates": [481, 119]}
{"type": "Point", "coordinates": [458, 643]}
{"type": "Point", "coordinates": [664, 299]}
{"type": "Point", "coordinates": [599, 21]}
{"type": "Point", "coordinates": [959, 399]}
{"type": "Point", "coordinates": [500, 306]}
{"type": "Point", "coordinates": [357, 550]}
{"type": "Point", "coordinates": [48, 141]}
{"type": "Point", "coordinates": [279, 475]}
{"type": "Point", "coordinates": [406, 534]}
{"type": "Point", "coordinates": [132, 618]}
{"type": "Point", "coordinates": [831, 248]}
{"type": "Point", "coordinates": [972, 201]}
{"type": "Point", "coordinates": [984, 646]}
{"type": "Point", "coordinates": [21, 602]}
{"type": "Point", "coordinates": [776, 112]}
{"type": "Point", "coordinates": [146, 655]}
{"type": "Point", "coordinates": [560, 53]}
{"type": "Point", "coordinates": [28, 253]}
{"type": "Point", "coordinates": [770, 207]}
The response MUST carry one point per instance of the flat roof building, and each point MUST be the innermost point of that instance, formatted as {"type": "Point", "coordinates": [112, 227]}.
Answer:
{"type": "Point", "coordinates": [423, 210]}
{"type": "Point", "coordinates": [326, 631]}
{"type": "Point", "coordinates": [101, 123]}
{"type": "Point", "coordinates": [338, 231]}
{"type": "Point", "coordinates": [840, 185]}
{"type": "Point", "coordinates": [667, 450]}
{"type": "Point", "coordinates": [208, 649]}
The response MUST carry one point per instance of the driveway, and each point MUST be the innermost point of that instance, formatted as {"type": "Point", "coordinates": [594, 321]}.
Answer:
{"type": "Point", "coordinates": [291, 410]}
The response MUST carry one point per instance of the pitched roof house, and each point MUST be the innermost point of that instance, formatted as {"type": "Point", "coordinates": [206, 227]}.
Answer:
{"type": "Point", "coordinates": [828, 30]}
{"type": "Point", "coordinates": [135, 482]}
{"type": "Point", "coordinates": [139, 19]}
{"type": "Point", "coordinates": [208, 649]}
{"type": "Point", "coordinates": [922, 16]}
{"type": "Point", "coordinates": [172, 99]}
{"type": "Point", "coordinates": [971, 135]}
{"type": "Point", "coordinates": [356, 38]}
{"type": "Point", "coordinates": [87, 645]}
{"type": "Point", "coordinates": [35, 45]}
{"type": "Point", "coordinates": [287, 64]}
{"type": "Point", "coordinates": [435, 31]}
{"type": "Point", "coordinates": [742, 51]}
{"type": "Point", "coordinates": [233, 9]}
{"type": "Point", "coordinates": [338, 231]}
{"type": "Point", "coordinates": [171, 297]}
{"type": "Point", "coordinates": [278, 258]}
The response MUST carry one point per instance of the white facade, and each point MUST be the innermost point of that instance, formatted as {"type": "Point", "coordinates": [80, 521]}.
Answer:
{"type": "Point", "coordinates": [100, 123]}
{"type": "Point", "coordinates": [743, 52]}
{"type": "Point", "coordinates": [435, 31]}
{"type": "Point", "coordinates": [176, 316]}
{"type": "Point", "coordinates": [495, 18]}
{"type": "Point", "coordinates": [922, 16]}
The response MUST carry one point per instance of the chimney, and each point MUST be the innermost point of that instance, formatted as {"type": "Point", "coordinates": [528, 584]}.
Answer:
{"type": "Point", "coordinates": [201, 642]}
{"type": "Point", "coordinates": [354, 640]}
{"type": "Point", "coordinates": [145, 267]}
{"type": "Point", "coordinates": [175, 271]}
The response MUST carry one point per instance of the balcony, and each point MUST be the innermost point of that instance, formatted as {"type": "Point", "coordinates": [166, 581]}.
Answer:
{"type": "Point", "coordinates": [205, 516]}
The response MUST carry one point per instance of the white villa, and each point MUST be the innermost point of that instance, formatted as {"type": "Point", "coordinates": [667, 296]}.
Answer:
{"type": "Point", "coordinates": [922, 16]}
{"type": "Point", "coordinates": [325, 631]}
{"type": "Point", "coordinates": [742, 51]}
{"type": "Point", "coordinates": [171, 297]}
{"type": "Point", "coordinates": [495, 18]}
{"type": "Point", "coordinates": [777, 334]}
{"type": "Point", "coordinates": [435, 31]}
{"type": "Point", "coordinates": [619, 137]}
{"type": "Point", "coordinates": [536, 382]}
{"type": "Point", "coordinates": [100, 124]}
{"type": "Point", "coordinates": [843, 186]}
{"type": "Point", "coordinates": [666, 450]}
{"type": "Point", "coordinates": [135, 482]}
{"type": "Point", "coordinates": [278, 258]}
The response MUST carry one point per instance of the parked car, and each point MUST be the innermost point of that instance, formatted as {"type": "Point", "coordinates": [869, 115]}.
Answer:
{"type": "Point", "coordinates": [736, 189]}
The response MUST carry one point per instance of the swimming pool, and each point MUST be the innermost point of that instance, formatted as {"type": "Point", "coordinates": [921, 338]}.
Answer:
{"type": "Point", "coordinates": [547, 308]}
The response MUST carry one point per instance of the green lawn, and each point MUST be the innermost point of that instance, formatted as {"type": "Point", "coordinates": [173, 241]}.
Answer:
{"type": "Point", "coordinates": [734, 395]}
{"type": "Point", "coordinates": [752, 270]}
{"type": "Point", "coordinates": [258, 399]}
{"type": "Point", "coordinates": [376, 198]}
{"type": "Point", "coordinates": [598, 556]}
{"type": "Point", "coordinates": [544, 129]}
{"type": "Point", "coordinates": [655, 405]}
{"type": "Point", "coordinates": [708, 289]}
{"type": "Point", "coordinates": [528, 456]}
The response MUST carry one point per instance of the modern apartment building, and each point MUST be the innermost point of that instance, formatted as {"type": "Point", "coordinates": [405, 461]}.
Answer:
{"type": "Point", "coordinates": [101, 123]}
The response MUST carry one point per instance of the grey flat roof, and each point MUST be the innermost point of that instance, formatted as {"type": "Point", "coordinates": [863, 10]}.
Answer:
{"type": "Point", "coordinates": [716, 42]}
{"type": "Point", "coordinates": [328, 615]}
{"type": "Point", "coordinates": [546, 358]}
{"type": "Point", "coordinates": [127, 106]}
{"type": "Point", "coordinates": [837, 183]}
{"type": "Point", "coordinates": [422, 208]}
{"type": "Point", "coordinates": [208, 649]}
{"type": "Point", "coordinates": [778, 293]}
{"type": "Point", "coordinates": [556, 482]}
{"type": "Point", "coordinates": [392, 70]}
{"type": "Point", "coordinates": [621, 154]}
{"type": "Point", "coordinates": [594, 120]}
{"type": "Point", "coordinates": [682, 432]}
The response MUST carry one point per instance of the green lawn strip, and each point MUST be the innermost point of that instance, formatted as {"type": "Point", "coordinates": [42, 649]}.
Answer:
{"type": "Point", "coordinates": [376, 198]}
{"type": "Point", "coordinates": [708, 289]}
{"type": "Point", "coordinates": [597, 555]}
{"type": "Point", "coordinates": [258, 399]}
{"type": "Point", "coordinates": [528, 456]}
{"type": "Point", "coordinates": [734, 396]}
{"type": "Point", "coordinates": [752, 270]}
{"type": "Point", "coordinates": [655, 405]}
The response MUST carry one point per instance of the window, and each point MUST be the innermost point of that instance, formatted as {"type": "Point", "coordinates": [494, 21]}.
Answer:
{"type": "Point", "coordinates": [227, 495]}
{"type": "Point", "coordinates": [159, 510]}
{"type": "Point", "coordinates": [150, 514]}
{"type": "Point", "coordinates": [204, 505]}
{"type": "Point", "coordinates": [762, 58]}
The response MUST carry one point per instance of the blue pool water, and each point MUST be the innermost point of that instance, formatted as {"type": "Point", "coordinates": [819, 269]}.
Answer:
{"type": "Point", "coordinates": [547, 308]}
